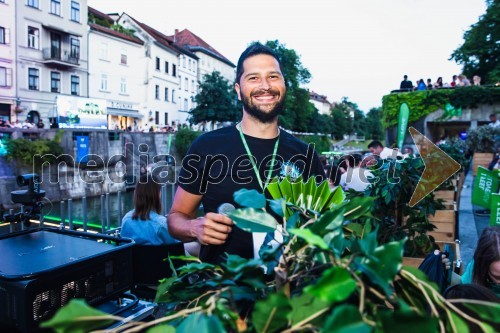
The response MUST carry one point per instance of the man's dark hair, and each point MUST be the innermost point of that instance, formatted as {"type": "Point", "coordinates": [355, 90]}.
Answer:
{"type": "Point", "coordinates": [253, 50]}
{"type": "Point", "coordinates": [405, 77]}
{"type": "Point", "coordinates": [375, 144]}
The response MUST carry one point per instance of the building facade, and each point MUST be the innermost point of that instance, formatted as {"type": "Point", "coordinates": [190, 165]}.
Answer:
{"type": "Point", "coordinates": [7, 60]}
{"type": "Point", "coordinates": [321, 103]}
{"type": "Point", "coordinates": [116, 73]}
{"type": "Point", "coordinates": [51, 44]}
{"type": "Point", "coordinates": [210, 60]}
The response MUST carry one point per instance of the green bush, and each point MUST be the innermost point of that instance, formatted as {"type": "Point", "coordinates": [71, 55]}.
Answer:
{"type": "Point", "coordinates": [482, 139]}
{"type": "Point", "coordinates": [23, 151]}
{"type": "Point", "coordinates": [422, 103]}
{"type": "Point", "coordinates": [321, 142]}
{"type": "Point", "coordinates": [183, 139]}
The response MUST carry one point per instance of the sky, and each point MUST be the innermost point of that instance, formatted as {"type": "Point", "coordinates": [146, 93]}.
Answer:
{"type": "Point", "coordinates": [359, 49]}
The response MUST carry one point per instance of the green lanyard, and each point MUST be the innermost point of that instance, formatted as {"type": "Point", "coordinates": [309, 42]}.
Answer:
{"type": "Point", "coordinates": [273, 160]}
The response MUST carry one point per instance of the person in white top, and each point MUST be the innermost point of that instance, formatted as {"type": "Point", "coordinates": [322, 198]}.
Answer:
{"type": "Point", "coordinates": [376, 148]}
{"type": "Point", "coordinates": [356, 177]}
{"type": "Point", "coordinates": [494, 122]}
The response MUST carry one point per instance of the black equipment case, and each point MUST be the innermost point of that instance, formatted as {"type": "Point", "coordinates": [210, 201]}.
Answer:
{"type": "Point", "coordinates": [43, 269]}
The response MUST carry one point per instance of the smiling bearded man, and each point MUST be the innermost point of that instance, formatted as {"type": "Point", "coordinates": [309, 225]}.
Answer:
{"type": "Point", "coordinates": [247, 155]}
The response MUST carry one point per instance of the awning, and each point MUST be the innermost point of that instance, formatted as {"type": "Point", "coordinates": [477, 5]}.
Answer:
{"type": "Point", "coordinates": [124, 112]}
{"type": "Point", "coordinates": [61, 29]}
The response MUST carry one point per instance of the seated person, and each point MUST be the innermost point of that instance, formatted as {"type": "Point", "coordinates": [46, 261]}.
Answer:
{"type": "Point", "coordinates": [144, 224]}
{"type": "Point", "coordinates": [333, 174]}
{"type": "Point", "coordinates": [356, 177]}
{"type": "Point", "coordinates": [484, 269]}
{"type": "Point", "coordinates": [377, 149]}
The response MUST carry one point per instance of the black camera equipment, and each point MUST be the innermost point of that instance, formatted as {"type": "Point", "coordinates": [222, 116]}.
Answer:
{"type": "Point", "coordinates": [30, 199]}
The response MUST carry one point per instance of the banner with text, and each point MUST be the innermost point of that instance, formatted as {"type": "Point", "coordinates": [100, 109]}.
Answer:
{"type": "Point", "coordinates": [495, 210]}
{"type": "Point", "coordinates": [485, 184]}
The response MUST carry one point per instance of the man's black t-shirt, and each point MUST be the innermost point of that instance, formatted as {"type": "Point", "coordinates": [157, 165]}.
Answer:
{"type": "Point", "coordinates": [217, 165]}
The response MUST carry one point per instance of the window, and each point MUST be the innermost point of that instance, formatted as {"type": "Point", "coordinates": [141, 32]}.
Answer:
{"type": "Point", "coordinates": [166, 118]}
{"type": "Point", "coordinates": [123, 85]}
{"type": "Point", "coordinates": [75, 11]}
{"type": "Point", "coordinates": [184, 62]}
{"type": "Point", "coordinates": [33, 77]}
{"type": "Point", "coordinates": [157, 91]}
{"type": "Point", "coordinates": [55, 7]}
{"type": "Point", "coordinates": [166, 67]}
{"type": "Point", "coordinates": [75, 85]}
{"type": "Point", "coordinates": [75, 48]}
{"type": "Point", "coordinates": [103, 52]}
{"type": "Point", "coordinates": [189, 64]}
{"type": "Point", "coordinates": [33, 3]}
{"type": "Point", "coordinates": [123, 57]}
{"type": "Point", "coordinates": [173, 96]}
{"type": "Point", "coordinates": [192, 86]}
{"type": "Point", "coordinates": [55, 82]}
{"type": "Point", "coordinates": [4, 35]}
{"type": "Point", "coordinates": [166, 94]}
{"type": "Point", "coordinates": [104, 82]}
{"type": "Point", "coordinates": [174, 70]}
{"type": "Point", "coordinates": [180, 82]}
{"type": "Point", "coordinates": [157, 117]}
{"type": "Point", "coordinates": [185, 104]}
{"type": "Point", "coordinates": [5, 77]}
{"type": "Point", "coordinates": [157, 66]}
{"type": "Point", "coordinates": [33, 37]}
{"type": "Point", "coordinates": [186, 84]}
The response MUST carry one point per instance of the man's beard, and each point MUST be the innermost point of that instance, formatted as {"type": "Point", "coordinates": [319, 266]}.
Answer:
{"type": "Point", "coordinates": [260, 112]}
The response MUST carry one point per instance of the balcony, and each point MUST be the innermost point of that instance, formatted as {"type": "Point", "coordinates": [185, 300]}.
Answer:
{"type": "Point", "coordinates": [60, 58]}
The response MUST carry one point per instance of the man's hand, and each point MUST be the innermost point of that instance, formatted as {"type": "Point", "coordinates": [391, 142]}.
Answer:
{"type": "Point", "coordinates": [212, 229]}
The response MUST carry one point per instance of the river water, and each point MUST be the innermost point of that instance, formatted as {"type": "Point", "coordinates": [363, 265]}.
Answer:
{"type": "Point", "coordinates": [52, 210]}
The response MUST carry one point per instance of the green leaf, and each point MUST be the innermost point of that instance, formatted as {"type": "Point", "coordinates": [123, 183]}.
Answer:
{"type": "Point", "coordinates": [489, 312]}
{"type": "Point", "coordinates": [196, 267]}
{"type": "Point", "coordinates": [65, 318]}
{"type": "Point", "coordinates": [305, 306]}
{"type": "Point", "coordinates": [200, 323]}
{"type": "Point", "coordinates": [386, 260]}
{"type": "Point", "coordinates": [250, 198]}
{"type": "Point", "coordinates": [335, 285]}
{"type": "Point", "coordinates": [310, 238]}
{"type": "Point", "coordinates": [358, 206]}
{"type": "Point", "coordinates": [277, 206]}
{"type": "Point", "coordinates": [459, 324]}
{"type": "Point", "coordinates": [271, 314]}
{"type": "Point", "coordinates": [163, 288]}
{"type": "Point", "coordinates": [252, 220]}
{"type": "Point", "coordinates": [161, 329]}
{"type": "Point", "coordinates": [345, 319]}
{"type": "Point", "coordinates": [398, 321]}
{"type": "Point", "coordinates": [330, 220]}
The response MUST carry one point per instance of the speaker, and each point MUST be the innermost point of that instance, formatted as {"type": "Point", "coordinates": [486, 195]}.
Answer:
{"type": "Point", "coordinates": [43, 269]}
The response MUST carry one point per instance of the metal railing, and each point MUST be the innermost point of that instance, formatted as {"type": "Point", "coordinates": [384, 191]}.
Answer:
{"type": "Point", "coordinates": [60, 55]}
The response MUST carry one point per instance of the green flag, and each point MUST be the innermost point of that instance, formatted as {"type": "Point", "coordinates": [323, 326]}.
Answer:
{"type": "Point", "coordinates": [495, 209]}
{"type": "Point", "coordinates": [485, 184]}
{"type": "Point", "coordinates": [404, 114]}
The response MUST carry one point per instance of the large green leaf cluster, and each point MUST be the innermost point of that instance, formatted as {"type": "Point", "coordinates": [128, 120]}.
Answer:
{"type": "Point", "coordinates": [422, 103]}
{"type": "Point", "coordinates": [479, 54]}
{"type": "Point", "coordinates": [215, 101]}
{"type": "Point", "coordinates": [483, 139]}
{"type": "Point", "coordinates": [330, 274]}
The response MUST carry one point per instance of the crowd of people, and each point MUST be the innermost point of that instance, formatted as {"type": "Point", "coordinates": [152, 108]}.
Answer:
{"type": "Point", "coordinates": [27, 124]}
{"type": "Point", "coordinates": [456, 81]}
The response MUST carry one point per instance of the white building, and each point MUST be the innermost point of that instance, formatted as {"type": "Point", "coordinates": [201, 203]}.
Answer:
{"type": "Point", "coordinates": [7, 59]}
{"type": "Point", "coordinates": [116, 72]}
{"type": "Point", "coordinates": [320, 102]}
{"type": "Point", "coordinates": [210, 59]}
{"type": "Point", "coordinates": [188, 83]}
{"type": "Point", "coordinates": [161, 100]}
{"type": "Point", "coordinates": [51, 43]}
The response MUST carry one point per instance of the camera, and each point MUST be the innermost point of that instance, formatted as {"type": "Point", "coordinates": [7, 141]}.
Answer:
{"type": "Point", "coordinates": [30, 196]}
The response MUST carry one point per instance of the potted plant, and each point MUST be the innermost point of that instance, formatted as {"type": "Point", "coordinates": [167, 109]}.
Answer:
{"type": "Point", "coordinates": [482, 142]}
{"type": "Point", "coordinates": [329, 274]}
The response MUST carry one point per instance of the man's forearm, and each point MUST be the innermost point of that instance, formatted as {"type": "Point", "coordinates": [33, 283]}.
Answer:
{"type": "Point", "coordinates": [179, 226]}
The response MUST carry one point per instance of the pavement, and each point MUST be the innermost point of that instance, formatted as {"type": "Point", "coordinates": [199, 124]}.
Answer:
{"type": "Point", "coordinates": [470, 225]}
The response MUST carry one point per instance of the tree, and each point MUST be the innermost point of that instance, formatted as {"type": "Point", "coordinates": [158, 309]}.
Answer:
{"type": "Point", "coordinates": [298, 111]}
{"type": "Point", "coordinates": [479, 54]}
{"type": "Point", "coordinates": [342, 119]}
{"type": "Point", "coordinates": [374, 130]}
{"type": "Point", "coordinates": [216, 100]}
